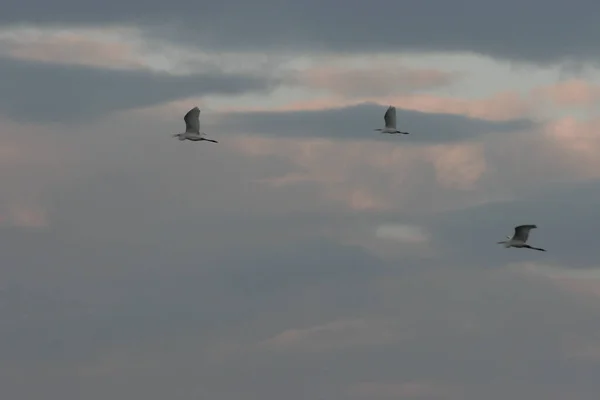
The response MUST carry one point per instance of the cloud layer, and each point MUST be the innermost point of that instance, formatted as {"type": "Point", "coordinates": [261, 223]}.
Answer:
{"type": "Point", "coordinates": [50, 92]}
{"type": "Point", "coordinates": [305, 255]}
{"type": "Point", "coordinates": [540, 31]}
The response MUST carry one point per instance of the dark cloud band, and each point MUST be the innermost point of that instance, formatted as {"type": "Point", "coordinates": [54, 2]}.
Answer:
{"type": "Point", "coordinates": [40, 92]}
{"type": "Point", "coordinates": [536, 31]}
{"type": "Point", "coordinates": [358, 122]}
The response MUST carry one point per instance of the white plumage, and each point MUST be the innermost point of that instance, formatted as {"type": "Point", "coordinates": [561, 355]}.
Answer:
{"type": "Point", "coordinates": [390, 122]}
{"type": "Point", "coordinates": [520, 237]}
{"type": "Point", "coordinates": [192, 127]}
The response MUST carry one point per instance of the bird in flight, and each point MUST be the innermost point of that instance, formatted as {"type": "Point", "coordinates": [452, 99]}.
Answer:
{"type": "Point", "coordinates": [390, 122]}
{"type": "Point", "coordinates": [192, 127]}
{"type": "Point", "coordinates": [520, 237]}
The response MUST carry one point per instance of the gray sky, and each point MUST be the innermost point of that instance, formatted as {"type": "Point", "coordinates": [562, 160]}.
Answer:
{"type": "Point", "coordinates": [305, 255]}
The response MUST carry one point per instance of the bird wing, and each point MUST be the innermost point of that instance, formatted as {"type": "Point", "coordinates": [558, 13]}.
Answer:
{"type": "Point", "coordinates": [192, 120]}
{"type": "Point", "coordinates": [390, 117]}
{"type": "Point", "coordinates": [522, 232]}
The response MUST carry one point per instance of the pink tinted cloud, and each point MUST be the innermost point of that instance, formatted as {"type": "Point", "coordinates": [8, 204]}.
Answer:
{"type": "Point", "coordinates": [78, 49]}
{"type": "Point", "coordinates": [579, 143]}
{"type": "Point", "coordinates": [378, 79]}
{"type": "Point", "coordinates": [458, 166]}
{"type": "Point", "coordinates": [499, 107]}
{"type": "Point", "coordinates": [319, 164]}
{"type": "Point", "coordinates": [570, 93]}
{"type": "Point", "coordinates": [367, 175]}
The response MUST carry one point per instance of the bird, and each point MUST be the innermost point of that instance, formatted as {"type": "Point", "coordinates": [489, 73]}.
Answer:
{"type": "Point", "coordinates": [192, 127]}
{"type": "Point", "coordinates": [520, 237]}
{"type": "Point", "coordinates": [390, 122]}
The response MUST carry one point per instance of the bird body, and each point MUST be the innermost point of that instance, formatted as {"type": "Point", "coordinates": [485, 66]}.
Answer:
{"type": "Point", "coordinates": [390, 122]}
{"type": "Point", "coordinates": [519, 238]}
{"type": "Point", "coordinates": [192, 127]}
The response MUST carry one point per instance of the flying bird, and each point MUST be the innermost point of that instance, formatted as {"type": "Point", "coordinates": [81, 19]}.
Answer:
{"type": "Point", "coordinates": [390, 122]}
{"type": "Point", "coordinates": [520, 237]}
{"type": "Point", "coordinates": [192, 127]}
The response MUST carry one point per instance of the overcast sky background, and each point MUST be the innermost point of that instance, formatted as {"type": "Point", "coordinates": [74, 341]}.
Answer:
{"type": "Point", "coordinates": [305, 256]}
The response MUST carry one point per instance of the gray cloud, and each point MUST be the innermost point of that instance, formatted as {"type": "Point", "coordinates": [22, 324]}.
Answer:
{"type": "Point", "coordinates": [40, 92]}
{"type": "Point", "coordinates": [84, 295]}
{"type": "Point", "coordinates": [134, 314]}
{"type": "Point", "coordinates": [359, 122]}
{"type": "Point", "coordinates": [442, 334]}
{"type": "Point", "coordinates": [540, 31]}
{"type": "Point", "coordinates": [165, 318]}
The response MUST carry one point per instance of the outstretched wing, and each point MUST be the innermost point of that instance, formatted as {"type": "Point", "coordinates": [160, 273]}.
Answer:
{"type": "Point", "coordinates": [522, 232]}
{"type": "Point", "coordinates": [390, 117]}
{"type": "Point", "coordinates": [192, 121]}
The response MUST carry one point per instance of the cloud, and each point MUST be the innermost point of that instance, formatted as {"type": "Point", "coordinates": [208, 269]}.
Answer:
{"type": "Point", "coordinates": [72, 288]}
{"type": "Point", "coordinates": [131, 314]}
{"type": "Point", "coordinates": [570, 93]}
{"type": "Point", "coordinates": [411, 390]}
{"type": "Point", "coordinates": [116, 47]}
{"type": "Point", "coordinates": [540, 103]}
{"type": "Point", "coordinates": [427, 319]}
{"type": "Point", "coordinates": [49, 92]}
{"type": "Point", "coordinates": [369, 176]}
{"type": "Point", "coordinates": [575, 280]}
{"type": "Point", "coordinates": [562, 211]}
{"type": "Point", "coordinates": [402, 233]}
{"type": "Point", "coordinates": [505, 106]}
{"type": "Point", "coordinates": [375, 80]}
{"type": "Point", "coordinates": [540, 32]}
{"type": "Point", "coordinates": [359, 122]}
{"type": "Point", "coordinates": [298, 267]}
{"type": "Point", "coordinates": [94, 48]}
{"type": "Point", "coordinates": [333, 335]}
{"type": "Point", "coordinates": [530, 177]}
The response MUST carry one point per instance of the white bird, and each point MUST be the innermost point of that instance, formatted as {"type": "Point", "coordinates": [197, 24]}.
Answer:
{"type": "Point", "coordinates": [390, 122]}
{"type": "Point", "coordinates": [192, 127]}
{"type": "Point", "coordinates": [520, 237]}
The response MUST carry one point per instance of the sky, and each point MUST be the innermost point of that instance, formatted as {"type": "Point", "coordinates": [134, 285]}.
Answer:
{"type": "Point", "coordinates": [304, 256]}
